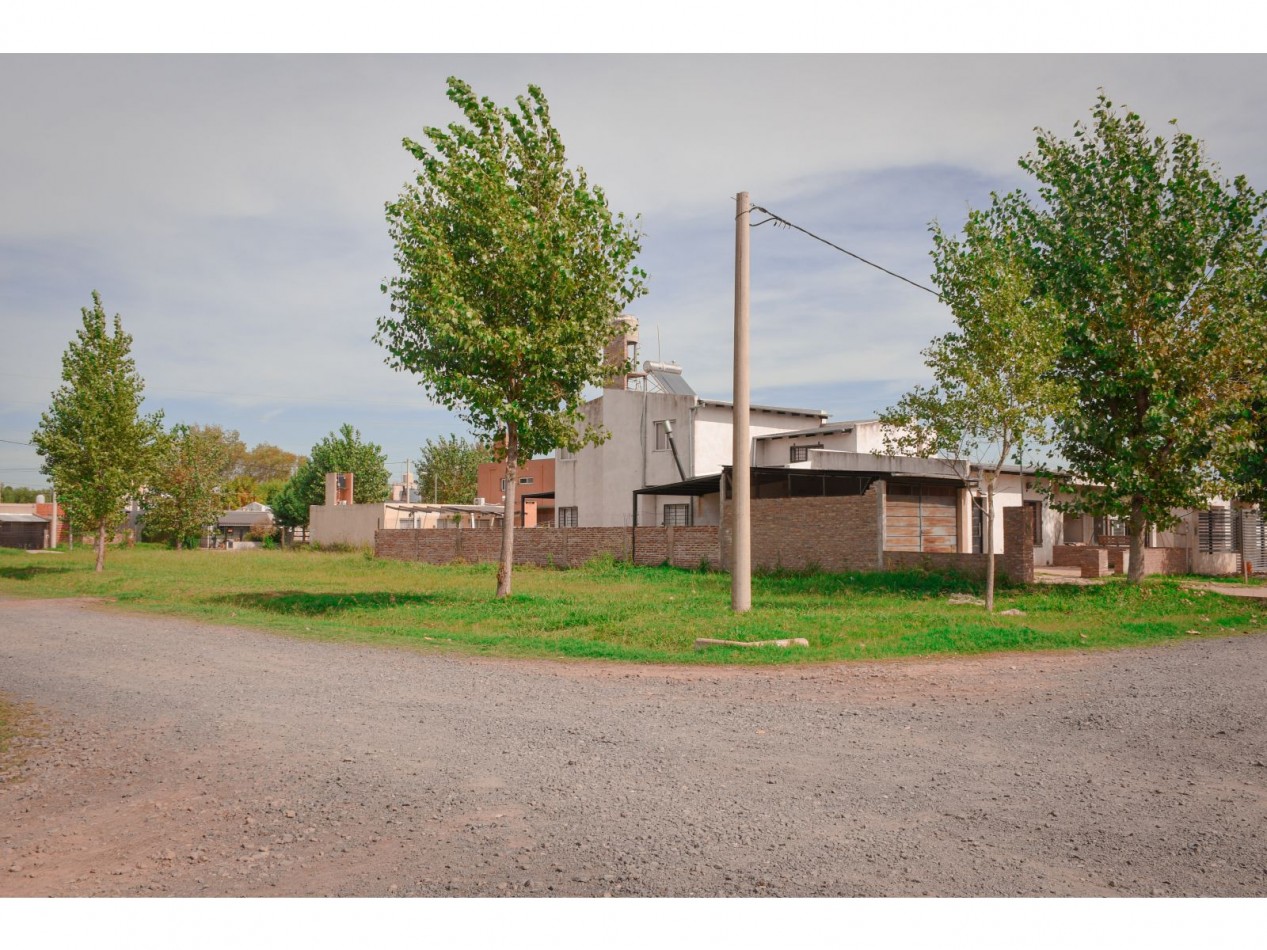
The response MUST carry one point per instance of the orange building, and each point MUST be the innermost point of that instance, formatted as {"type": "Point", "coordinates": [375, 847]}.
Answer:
{"type": "Point", "coordinates": [534, 495]}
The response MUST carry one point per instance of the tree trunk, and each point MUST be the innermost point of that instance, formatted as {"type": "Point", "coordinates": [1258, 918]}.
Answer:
{"type": "Point", "coordinates": [508, 512]}
{"type": "Point", "coordinates": [989, 545]}
{"type": "Point", "coordinates": [101, 546]}
{"type": "Point", "coordinates": [1137, 527]}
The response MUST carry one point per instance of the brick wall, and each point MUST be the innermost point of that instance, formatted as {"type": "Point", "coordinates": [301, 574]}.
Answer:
{"type": "Point", "coordinates": [1068, 555]}
{"type": "Point", "coordinates": [1093, 562]}
{"type": "Point", "coordinates": [834, 534]}
{"type": "Point", "coordinates": [553, 547]}
{"type": "Point", "coordinates": [1018, 545]}
{"type": "Point", "coordinates": [1165, 560]}
{"type": "Point", "coordinates": [1156, 560]}
{"type": "Point", "coordinates": [972, 565]}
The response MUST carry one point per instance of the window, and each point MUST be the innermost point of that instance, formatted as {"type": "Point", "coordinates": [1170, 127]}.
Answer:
{"type": "Point", "coordinates": [567, 517]}
{"type": "Point", "coordinates": [631, 351]}
{"type": "Point", "coordinates": [662, 436]}
{"type": "Point", "coordinates": [800, 453]}
{"type": "Point", "coordinates": [978, 525]}
{"type": "Point", "coordinates": [1036, 516]}
{"type": "Point", "coordinates": [676, 515]}
{"type": "Point", "coordinates": [503, 486]}
{"type": "Point", "coordinates": [526, 480]}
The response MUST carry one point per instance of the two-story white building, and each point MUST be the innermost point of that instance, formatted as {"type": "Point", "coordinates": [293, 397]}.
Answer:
{"type": "Point", "coordinates": [660, 432]}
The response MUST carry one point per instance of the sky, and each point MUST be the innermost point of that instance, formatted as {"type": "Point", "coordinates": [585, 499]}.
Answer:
{"type": "Point", "coordinates": [230, 209]}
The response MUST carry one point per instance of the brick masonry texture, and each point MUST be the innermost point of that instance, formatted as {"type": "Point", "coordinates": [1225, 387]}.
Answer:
{"type": "Point", "coordinates": [1018, 545]}
{"type": "Point", "coordinates": [552, 547]}
{"type": "Point", "coordinates": [1094, 562]}
{"type": "Point", "coordinates": [833, 534]}
{"type": "Point", "coordinates": [1156, 560]}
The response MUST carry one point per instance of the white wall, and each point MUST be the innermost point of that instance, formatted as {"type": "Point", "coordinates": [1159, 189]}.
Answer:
{"type": "Point", "coordinates": [599, 481]}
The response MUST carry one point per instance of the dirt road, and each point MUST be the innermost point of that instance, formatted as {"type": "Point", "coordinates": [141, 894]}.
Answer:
{"type": "Point", "coordinates": [189, 759]}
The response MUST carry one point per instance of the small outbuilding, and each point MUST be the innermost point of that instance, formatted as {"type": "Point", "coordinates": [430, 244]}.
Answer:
{"type": "Point", "coordinates": [27, 531]}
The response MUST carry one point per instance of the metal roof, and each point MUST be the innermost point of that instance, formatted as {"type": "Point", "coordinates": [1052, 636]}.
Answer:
{"type": "Point", "coordinates": [23, 519]}
{"type": "Point", "coordinates": [451, 509]}
{"type": "Point", "coordinates": [708, 484]}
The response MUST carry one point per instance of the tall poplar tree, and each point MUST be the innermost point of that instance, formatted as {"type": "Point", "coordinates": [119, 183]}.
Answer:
{"type": "Point", "coordinates": [1157, 264]}
{"type": "Point", "coordinates": [993, 392]}
{"type": "Point", "coordinates": [97, 447]}
{"type": "Point", "coordinates": [513, 271]}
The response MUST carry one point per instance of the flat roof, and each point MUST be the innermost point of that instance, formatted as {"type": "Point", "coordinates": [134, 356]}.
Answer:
{"type": "Point", "coordinates": [22, 519]}
{"type": "Point", "coordinates": [707, 484]}
{"type": "Point", "coordinates": [449, 509]}
{"type": "Point", "coordinates": [805, 433]}
{"type": "Point", "coordinates": [781, 410]}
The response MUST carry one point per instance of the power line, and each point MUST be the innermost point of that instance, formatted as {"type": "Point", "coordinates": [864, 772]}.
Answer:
{"type": "Point", "coordinates": [779, 220]}
{"type": "Point", "coordinates": [12, 442]}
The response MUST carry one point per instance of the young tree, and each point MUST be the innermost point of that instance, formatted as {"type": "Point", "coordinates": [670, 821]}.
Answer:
{"type": "Point", "coordinates": [185, 495]}
{"type": "Point", "coordinates": [450, 466]}
{"type": "Point", "coordinates": [290, 510]}
{"type": "Point", "coordinates": [992, 389]}
{"type": "Point", "coordinates": [513, 271]}
{"type": "Point", "coordinates": [97, 447]}
{"type": "Point", "coordinates": [1158, 267]}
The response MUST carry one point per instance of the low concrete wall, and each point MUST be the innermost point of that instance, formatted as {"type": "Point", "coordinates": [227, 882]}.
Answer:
{"type": "Point", "coordinates": [553, 547]}
{"type": "Point", "coordinates": [344, 524]}
{"type": "Point", "coordinates": [1222, 564]}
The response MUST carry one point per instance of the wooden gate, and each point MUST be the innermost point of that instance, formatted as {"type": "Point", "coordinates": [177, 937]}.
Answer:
{"type": "Point", "coordinates": [921, 518]}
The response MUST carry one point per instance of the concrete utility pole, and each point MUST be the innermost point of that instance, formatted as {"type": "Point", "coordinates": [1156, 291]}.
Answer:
{"type": "Point", "coordinates": [741, 472]}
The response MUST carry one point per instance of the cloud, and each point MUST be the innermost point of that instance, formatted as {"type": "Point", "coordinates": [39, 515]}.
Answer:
{"type": "Point", "coordinates": [231, 207]}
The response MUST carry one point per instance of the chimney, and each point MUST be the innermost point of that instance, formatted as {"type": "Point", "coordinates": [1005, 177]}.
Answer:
{"type": "Point", "coordinates": [339, 488]}
{"type": "Point", "coordinates": [621, 354]}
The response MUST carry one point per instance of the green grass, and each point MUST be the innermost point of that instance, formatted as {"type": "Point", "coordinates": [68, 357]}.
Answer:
{"type": "Point", "coordinates": [614, 611]}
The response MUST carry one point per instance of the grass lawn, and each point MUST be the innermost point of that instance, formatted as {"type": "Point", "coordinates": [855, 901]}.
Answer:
{"type": "Point", "coordinates": [615, 611]}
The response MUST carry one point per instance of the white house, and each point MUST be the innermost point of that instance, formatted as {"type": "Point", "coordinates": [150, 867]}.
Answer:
{"type": "Point", "coordinates": [660, 432]}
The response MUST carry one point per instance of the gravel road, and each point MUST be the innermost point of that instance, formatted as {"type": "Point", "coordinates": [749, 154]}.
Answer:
{"type": "Point", "coordinates": [189, 759]}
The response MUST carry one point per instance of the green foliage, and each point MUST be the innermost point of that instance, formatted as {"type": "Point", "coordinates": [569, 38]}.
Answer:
{"type": "Point", "coordinates": [513, 271]}
{"type": "Point", "coordinates": [1157, 265]}
{"type": "Point", "coordinates": [97, 447]}
{"type": "Point", "coordinates": [290, 509]}
{"type": "Point", "coordinates": [1243, 457]}
{"type": "Point", "coordinates": [992, 389]}
{"type": "Point", "coordinates": [14, 494]}
{"type": "Point", "coordinates": [448, 471]}
{"type": "Point", "coordinates": [512, 274]}
{"type": "Point", "coordinates": [185, 495]}
{"type": "Point", "coordinates": [269, 463]}
{"type": "Point", "coordinates": [341, 451]}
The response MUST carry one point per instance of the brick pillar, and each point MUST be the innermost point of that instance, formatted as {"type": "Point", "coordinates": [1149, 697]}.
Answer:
{"type": "Point", "coordinates": [1018, 545]}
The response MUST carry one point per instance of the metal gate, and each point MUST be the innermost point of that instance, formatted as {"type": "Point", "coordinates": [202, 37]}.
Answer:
{"type": "Point", "coordinates": [1254, 540]}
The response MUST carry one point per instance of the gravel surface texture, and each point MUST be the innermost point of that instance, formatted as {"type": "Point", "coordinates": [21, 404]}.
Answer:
{"type": "Point", "coordinates": [189, 759]}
